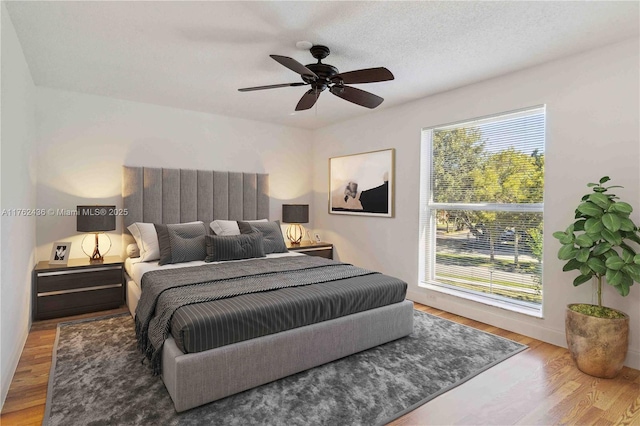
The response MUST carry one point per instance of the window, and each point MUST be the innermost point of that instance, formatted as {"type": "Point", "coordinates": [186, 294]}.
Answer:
{"type": "Point", "coordinates": [481, 202]}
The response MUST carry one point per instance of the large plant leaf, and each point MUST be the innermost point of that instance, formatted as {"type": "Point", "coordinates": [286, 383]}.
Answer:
{"type": "Point", "coordinates": [601, 248]}
{"type": "Point", "coordinates": [623, 289]}
{"type": "Point", "coordinates": [632, 236]}
{"type": "Point", "coordinates": [584, 240]}
{"type": "Point", "coordinates": [593, 225]}
{"type": "Point", "coordinates": [628, 254]}
{"type": "Point", "coordinates": [621, 207]}
{"type": "Point", "coordinates": [572, 264]}
{"type": "Point", "coordinates": [611, 221]}
{"type": "Point", "coordinates": [597, 265]}
{"type": "Point", "coordinates": [579, 225]}
{"type": "Point", "coordinates": [595, 236]}
{"type": "Point", "coordinates": [614, 277]}
{"type": "Point", "coordinates": [604, 179]}
{"type": "Point", "coordinates": [559, 234]}
{"type": "Point", "coordinates": [614, 262]}
{"type": "Point", "coordinates": [585, 270]}
{"type": "Point", "coordinates": [633, 271]}
{"type": "Point", "coordinates": [567, 251]}
{"type": "Point", "coordinates": [583, 254]}
{"type": "Point", "coordinates": [627, 225]}
{"type": "Point", "coordinates": [600, 200]}
{"type": "Point", "coordinates": [636, 259]}
{"type": "Point", "coordinates": [581, 279]}
{"type": "Point", "coordinates": [590, 209]}
{"type": "Point", "coordinates": [563, 237]}
{"type": "Point", "coordinates": [612, 237]}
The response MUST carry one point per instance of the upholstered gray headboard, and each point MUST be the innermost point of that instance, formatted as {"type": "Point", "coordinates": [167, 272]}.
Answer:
{"type": "Point", "coordinates": [156, 195]}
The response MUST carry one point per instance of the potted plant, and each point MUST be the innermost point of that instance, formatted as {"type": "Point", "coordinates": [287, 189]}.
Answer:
{"type": "Point", "coordinates": [597, 245]}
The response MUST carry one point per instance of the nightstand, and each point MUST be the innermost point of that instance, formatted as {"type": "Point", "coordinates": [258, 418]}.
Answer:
{"type": "Point", "coordinates": [312, 249]}
{"type": "Point", "coordinates": [77, 288]}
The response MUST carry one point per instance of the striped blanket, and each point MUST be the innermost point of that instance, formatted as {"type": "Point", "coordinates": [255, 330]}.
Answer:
{"type": "Point", "coordinates": [165, 291]}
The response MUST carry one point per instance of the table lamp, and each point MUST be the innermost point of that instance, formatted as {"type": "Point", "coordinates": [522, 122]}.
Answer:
{"type": "Point", "coordinates": [96, 219]}
{"type": "Point", "coordinates": [295, 214]}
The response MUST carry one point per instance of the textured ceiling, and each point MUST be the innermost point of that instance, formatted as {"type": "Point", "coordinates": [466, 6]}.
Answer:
{"type": "Point", "coordinates": [195, 55]}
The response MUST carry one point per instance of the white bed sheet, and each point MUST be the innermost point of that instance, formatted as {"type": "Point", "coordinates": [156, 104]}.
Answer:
{"type": "Point", "coordinates": [136, 269]}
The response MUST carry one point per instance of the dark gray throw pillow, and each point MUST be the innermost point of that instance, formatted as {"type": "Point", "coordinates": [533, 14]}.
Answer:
{"type": "Point", "coordinates": [181, 242]}
{"type": "Point", "coordinates": [234, 247]}
{"type": "Point", "coordinates": [273, 240]}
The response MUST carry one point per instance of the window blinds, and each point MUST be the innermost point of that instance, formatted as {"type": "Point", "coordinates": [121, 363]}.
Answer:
{"type": "Point", "coordinates": [482, 185]}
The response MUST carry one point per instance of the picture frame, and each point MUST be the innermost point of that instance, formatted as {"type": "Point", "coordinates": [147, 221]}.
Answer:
{"type": "Point", "coordinates": [363, 184]}
{"type": "Point", "coordinates": [60, 253]}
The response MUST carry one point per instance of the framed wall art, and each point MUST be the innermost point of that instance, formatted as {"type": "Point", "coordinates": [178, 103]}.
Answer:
{"type": "Point", "coordinates": [362, 184]}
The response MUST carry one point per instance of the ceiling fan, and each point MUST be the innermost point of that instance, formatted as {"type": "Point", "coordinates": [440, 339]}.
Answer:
{"type": "Point", "coordinates": [324, 76]}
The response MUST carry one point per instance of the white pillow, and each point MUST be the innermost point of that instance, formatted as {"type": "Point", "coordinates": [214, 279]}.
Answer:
{"type": "Point", "coordinates": [225, 227]}
{"type": "Point", "coordinates": [228, 227]}
{"type": "Point", "coordinates": [133, 250]}
{"type": "Point", "coordinates": [147, 240]}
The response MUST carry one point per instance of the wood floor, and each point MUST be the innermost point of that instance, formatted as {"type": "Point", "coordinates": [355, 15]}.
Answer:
{"type": "Point", "coordinates": [539, 386]}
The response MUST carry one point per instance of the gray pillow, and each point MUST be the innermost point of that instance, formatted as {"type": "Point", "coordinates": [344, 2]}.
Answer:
{"type": "Point", "coordinates": [234, 247]}
{"type": "Point", "coordinates": [273, 240]}
{"type": "Point", "coordinates": [181, 242]}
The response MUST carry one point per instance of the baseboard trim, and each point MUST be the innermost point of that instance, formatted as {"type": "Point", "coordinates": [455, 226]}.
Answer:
{"type": "Point", "coordinates": [15, 359]}
{"type": "Point", "coordinates": [477, 312]}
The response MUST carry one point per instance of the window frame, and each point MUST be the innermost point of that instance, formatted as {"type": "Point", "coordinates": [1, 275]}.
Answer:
{"type": "Point", "coordinates": [427, 220]}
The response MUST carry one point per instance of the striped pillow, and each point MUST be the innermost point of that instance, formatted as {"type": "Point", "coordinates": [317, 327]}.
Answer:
{"type": "Point", "coordinates": [234, 247]}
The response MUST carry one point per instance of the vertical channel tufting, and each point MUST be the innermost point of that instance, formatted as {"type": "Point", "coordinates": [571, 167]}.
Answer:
{"type": "Point", "coordinates": [205, 195]}
{"type": "Point", "coordinates": [170, 195]}
{"type": "Point", "coordinates": [221, 195]}
{"type": "Point", "coordinates": [249, 196]}
{"type": "Point", "coordinates": [152, 193]}
{"type": "Point", "coordinates": [131, 196]}
{"type": "Point", "coordinates": [155, 195]}
{"type": "Point", "coordinates": [188, 195]}
{"type": "Point", "coordinates": [235, 196]}
{"type": "Point", "coordinates": [262, 196]}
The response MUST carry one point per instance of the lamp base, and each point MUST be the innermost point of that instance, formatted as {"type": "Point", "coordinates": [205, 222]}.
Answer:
{"type": "Point", "coordinates": [295, 233]}
{"type": "Point", "coordinates": [96, 256]}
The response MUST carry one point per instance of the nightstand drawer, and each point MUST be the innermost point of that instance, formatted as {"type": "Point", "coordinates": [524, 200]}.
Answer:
{"type": "Point", "coordinates": [54, 304]}
{"type": "Point", "coordinates": [76, 279]}
{"type": "Point", "coordinates": [327, 253]}
{"type": "Point", "coordinates": [313, 249]}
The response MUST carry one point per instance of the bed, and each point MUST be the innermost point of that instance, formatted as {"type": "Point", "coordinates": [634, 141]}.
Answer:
{"type": "Point", "coordinates": [194, 373]}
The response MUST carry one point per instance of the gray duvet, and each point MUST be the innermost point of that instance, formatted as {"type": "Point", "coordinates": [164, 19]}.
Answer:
{"type": "Point", "coordinates": [214, 305]}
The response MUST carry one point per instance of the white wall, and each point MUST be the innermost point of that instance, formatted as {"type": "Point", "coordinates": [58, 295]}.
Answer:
{"type": "Point", "coordinates": [18, 233]}
{"type": "Point", "coordinates": [84, 140]}
{"type": "Point", "coordinates": [592, 130]}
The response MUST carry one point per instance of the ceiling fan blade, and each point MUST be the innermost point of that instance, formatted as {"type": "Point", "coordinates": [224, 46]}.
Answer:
{"type": "Point", "coordinates": [369, 75]}
{"type": "Point", "coordinates": [273, 86]}
{"type": "Point", "coordinates": [293, 65]}
{"type": "Point", "coordinates": [308, 100]}
{"type": "Point", "coordinates": [357, 96]}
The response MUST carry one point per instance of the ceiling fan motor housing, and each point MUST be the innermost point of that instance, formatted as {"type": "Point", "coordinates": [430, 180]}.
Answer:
{"type": "Point", "coordinates": [319, 52]}
{"type": "Point", "coordinates": [324, 71]}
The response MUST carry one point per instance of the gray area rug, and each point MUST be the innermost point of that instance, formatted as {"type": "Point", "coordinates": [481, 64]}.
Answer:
{"type": "Point", "coordinates": [97, 378]}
